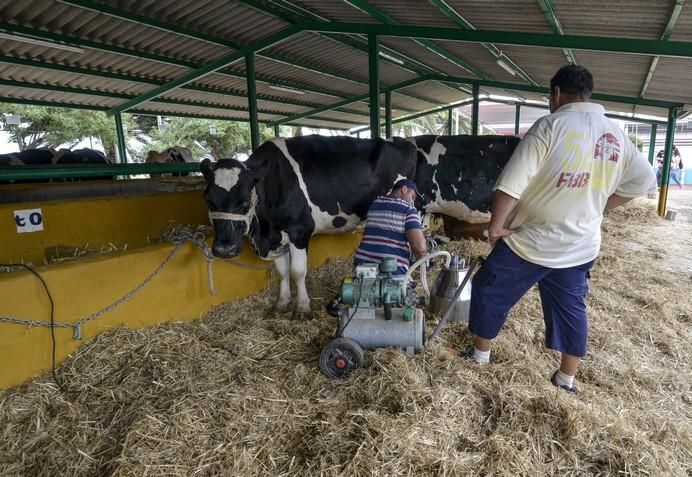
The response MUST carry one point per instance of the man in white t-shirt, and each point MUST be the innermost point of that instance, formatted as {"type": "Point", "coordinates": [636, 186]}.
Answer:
{"type": "Point", "coordinates": [571, 166]}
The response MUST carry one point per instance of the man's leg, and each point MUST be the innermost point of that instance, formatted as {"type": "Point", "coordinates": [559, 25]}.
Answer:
{"type": "Point", "coordinates": [502, 280]}
{"type": "Point", "coordinates": [563, 298]}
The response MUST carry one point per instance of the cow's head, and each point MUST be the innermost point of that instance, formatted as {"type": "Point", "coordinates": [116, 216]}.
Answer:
{"type": "Point", "coordinates": [231, 199]}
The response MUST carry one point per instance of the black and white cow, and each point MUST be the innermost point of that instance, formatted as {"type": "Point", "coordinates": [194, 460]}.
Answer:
{"type": "Point", "coordinates": [46, 157]}
{"type": "Point", "coordinates": [455, 176]}
{"type": "Point", "coordinates": [290, 189]}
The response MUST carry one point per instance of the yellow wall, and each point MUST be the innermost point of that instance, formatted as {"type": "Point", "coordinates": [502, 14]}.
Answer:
{"type": "Point", "coordinates": [85, 286]}
{"type": "Point", "coordinates": [96, 223]}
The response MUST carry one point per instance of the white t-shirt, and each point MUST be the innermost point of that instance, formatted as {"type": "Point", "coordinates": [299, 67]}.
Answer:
{"type": "Point", "coordinates": [563, 172]}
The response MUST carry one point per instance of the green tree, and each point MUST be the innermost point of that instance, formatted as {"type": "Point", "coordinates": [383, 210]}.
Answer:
{"type": "Point", "coordinates": [637, 142]}
{"type": "Point", "coordinates": [219, 139]}
{"type": "Point", "coordinates": [434, 123]}
{"type": "Point", "coordinates": [52, 127]}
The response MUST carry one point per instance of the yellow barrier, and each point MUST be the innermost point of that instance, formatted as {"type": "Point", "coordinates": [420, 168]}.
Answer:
{"type": "Point", "coordinates": [179, 292]}
{"type": "Point", "coordinates": [85, 286]}
{"type": "Point", "coordinates": [97, 223]}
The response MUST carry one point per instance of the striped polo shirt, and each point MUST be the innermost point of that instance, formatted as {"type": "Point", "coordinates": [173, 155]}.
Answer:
{"type": "Point", "coordinates": [389, 218]}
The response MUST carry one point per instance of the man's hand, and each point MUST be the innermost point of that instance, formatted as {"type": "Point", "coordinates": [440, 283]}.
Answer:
{"type": "Point", "coordinates": [495, 234]}
{"type": "Point", "coordinates": [502, 205]}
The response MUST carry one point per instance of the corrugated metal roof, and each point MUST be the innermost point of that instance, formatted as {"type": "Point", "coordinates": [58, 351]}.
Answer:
{"type": "Point", "coordinates": [146, 43]}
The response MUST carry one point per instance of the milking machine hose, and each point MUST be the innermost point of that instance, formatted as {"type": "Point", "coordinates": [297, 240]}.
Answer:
{"type": "Point", "coordinates": [453, 301]}
{"type": "Point", "coordinates": [424, 261]}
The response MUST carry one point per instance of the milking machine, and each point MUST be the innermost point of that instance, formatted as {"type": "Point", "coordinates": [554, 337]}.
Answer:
{"type": "Point", "coordinates": [379, 311]}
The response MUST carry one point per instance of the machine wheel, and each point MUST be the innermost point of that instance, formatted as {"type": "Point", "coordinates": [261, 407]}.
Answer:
{"type": "Point", "coordinates": [340, 357]}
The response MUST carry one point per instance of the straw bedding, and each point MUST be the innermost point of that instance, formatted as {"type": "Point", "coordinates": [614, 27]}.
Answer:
{"type": "Point", "coordinates": [240, 393]}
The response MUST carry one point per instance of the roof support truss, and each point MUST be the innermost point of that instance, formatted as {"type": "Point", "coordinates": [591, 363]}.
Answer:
{"type": "Point", "coordinates": [158, 58]}
{"type": "Point", "coordinates": [358, 43]}
{"type": "Point", "coordinates": [672, 20]}
{"type": "Point", "coordinates": [450, 12]}
{"type": "Point", "coordinates": [595, 43]}
{"type": "Point", "coordinates": [551, 15]}
{"type": "Point", "coordinates": [210, 68]}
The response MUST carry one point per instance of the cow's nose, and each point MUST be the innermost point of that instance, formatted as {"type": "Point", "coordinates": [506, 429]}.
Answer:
{"type": "Point", "coordinates": [225, 251]}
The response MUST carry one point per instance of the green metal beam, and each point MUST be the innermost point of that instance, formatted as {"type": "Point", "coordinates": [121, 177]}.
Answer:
{"type": "Point", "coordinates": [144, 112]}
{"type": "Point", "coordinates": [302, 14]}
{"type": "Point", "coordinates": [388, 114]}
{"type": "Point", "coordinates": [180, 30]}
{"type": "Point", "coordinates": [92, 170]}
{"type": "Point", "coordinates": [374, 78]}
{"type": "Point", "coordinates": [517, 119]}
{"type": "Point", "coordinates": [536, 89]}
{"type": "Point", "coordinates": [621, 117]}
{"type": "Point", "coordinates": [141, 79]}
{"type": "Point", "coordinates": [621, 45]}
{"type": "Point", "coordinates": [668, 152]}
{"type": "Point", "coordinates": [252, 101]}
{"type": "Point", "coordinates": [350, 100]}
{"type": "Point", "coordinates": [177, 102]}
{"type": "Point", "coordinates": [210, 68]}
{"type": "Point", "coordinates": [551, 15]}
{"type": "Point", "coordinates": [474, 111]}
{"type": "Point", "coordinates": [450, 125]}
{"type": "Point", "coordinates": [670, 26]}
{"type": "Point", "coordinates": [652, 143]}
{"type": "Point", "coordinates": [409, 117]}
{"type": "Point", "coordinates": [368, 9]}
{"type": "Point", "coordinates": [120, 134]}
{"type": "Point", "coordinates": [138, 54]}
{"type": "Point", "coordinates": [471, 81]}
{"type": "Point", "coordinates": [450, 12]}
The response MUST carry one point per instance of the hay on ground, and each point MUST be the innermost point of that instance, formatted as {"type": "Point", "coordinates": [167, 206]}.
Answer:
{"type": "Point", "coordinates": [240, 393]}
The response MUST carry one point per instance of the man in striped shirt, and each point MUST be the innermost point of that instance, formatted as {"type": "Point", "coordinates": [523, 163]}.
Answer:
{"type": "Point", "coordinates": [393, 229]}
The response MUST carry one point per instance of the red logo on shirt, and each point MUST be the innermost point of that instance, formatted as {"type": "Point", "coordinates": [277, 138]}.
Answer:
{"type": "Point", "coordinates": [607, 148]}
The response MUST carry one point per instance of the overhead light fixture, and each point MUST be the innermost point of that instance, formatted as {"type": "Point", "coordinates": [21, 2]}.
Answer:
{"type": "Point", "coordinates": [506, 66]}
{"type": "Point", "coordinates": [39, 42]}
{"type": "Point", "coordinates": [286, 89]}
{"type": "Point", "coordinates": [391, 58]}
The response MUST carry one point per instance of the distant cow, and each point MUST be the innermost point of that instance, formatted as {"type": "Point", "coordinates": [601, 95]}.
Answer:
{"type": "Point", "coordinates": [46, 157]}
{"type": "Point", "coordinates": [172, 155]}
{"type": "Point", "coordinates": [290, 189]}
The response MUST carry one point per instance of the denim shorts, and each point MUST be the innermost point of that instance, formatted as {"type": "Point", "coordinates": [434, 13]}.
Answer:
{"type": "Point", "coordinates": [505, 277]}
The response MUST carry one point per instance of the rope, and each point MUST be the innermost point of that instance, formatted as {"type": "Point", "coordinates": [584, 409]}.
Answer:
{"type": "Point", "coordinates": [178, 235]}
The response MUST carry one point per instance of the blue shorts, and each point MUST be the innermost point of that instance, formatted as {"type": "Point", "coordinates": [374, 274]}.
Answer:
{"type": "Point", "coordinates": [505, 277]}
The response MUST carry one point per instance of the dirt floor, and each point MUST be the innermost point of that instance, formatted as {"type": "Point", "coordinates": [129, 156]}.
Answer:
{"type": "Point", "coordinates": [239, 392]}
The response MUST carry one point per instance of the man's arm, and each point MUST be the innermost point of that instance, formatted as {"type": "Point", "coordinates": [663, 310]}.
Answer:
{"type": "Point", "coordinates": [416, 240]}
{"type": "Point", "coordinates": [502, 205]}
{"type": "Point", "coordinates": [616, 201]}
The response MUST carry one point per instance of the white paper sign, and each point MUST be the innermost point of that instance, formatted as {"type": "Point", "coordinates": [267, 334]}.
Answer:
{"type": "Point", "coordinates": [28, 220]}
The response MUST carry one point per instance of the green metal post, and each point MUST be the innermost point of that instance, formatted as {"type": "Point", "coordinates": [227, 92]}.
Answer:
{"type": "Point", "coordinates": [120, 134]}
{"type": "Point", "coordinates": [276, 131]}
{"type": "Point", "coordinates": [388, 114]}
{"type": "Point", "coordinates": [474, 110]}
{"type": "Point", "coordinates": [252, 100]}
{"type": "Point", "coordinates": [450, 131]}
{"type": "Point", "coordinates": [652, 143]}
{"type": "Point", "coordinates": [517, 119]}
{"type": "Point", "coordinates": [374, 78]}
{"type": "Point", "coordinates": [665, 172]}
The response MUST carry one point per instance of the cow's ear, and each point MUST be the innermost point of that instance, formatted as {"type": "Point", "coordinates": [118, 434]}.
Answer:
{"type": "Point", "coordinates": [205, 168]}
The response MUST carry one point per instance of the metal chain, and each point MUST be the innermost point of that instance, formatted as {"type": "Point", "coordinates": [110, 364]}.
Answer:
{"type": "Point", "coordinates": [177, 235]}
